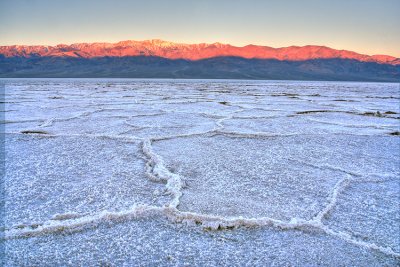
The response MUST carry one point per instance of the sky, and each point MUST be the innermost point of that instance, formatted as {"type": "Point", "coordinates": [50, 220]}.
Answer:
{"type": "Point", "coordinates": [365, 26]}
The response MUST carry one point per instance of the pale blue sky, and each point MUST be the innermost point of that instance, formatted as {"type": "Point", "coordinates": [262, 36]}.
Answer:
{"type": "Point", "coordinates": [365, 26]}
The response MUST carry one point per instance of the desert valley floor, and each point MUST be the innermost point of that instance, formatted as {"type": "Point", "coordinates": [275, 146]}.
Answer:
{"type": "Point", "coordinates": [200, 173]}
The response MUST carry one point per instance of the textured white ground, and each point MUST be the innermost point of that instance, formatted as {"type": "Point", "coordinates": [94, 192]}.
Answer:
{"type": "Point", "coordinates": [201, 173]}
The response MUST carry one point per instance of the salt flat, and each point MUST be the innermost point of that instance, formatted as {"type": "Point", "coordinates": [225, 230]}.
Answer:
{"type": "Point", "coordinates": [201, 173]}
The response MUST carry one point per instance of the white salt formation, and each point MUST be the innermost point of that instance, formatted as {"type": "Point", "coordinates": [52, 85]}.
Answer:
{"type": "Point", "coordinates": [201, 173]}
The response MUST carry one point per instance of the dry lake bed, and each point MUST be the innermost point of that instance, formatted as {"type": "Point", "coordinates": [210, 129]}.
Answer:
{"type": "Point", "coordinates": [200, 173]}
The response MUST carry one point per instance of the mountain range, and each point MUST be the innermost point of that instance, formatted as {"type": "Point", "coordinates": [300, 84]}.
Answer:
{"type": "Point", "coordinates": [162, 59]}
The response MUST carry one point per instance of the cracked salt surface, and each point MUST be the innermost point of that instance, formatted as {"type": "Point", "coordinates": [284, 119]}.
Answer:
{"type": "Point", "coordinates": [250, 177]}
{"type": "Point", "coordinates": [46, 176]}
{"type": "Point", "coordinates": [203, 173]}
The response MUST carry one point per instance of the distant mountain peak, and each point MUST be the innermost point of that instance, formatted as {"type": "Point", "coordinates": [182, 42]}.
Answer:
{"type": "Point", "coordinates": [172, 50]}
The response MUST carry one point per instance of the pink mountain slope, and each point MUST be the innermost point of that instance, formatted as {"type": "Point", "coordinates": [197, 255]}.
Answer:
{"type": "Point", "coordinates": [172, 50]}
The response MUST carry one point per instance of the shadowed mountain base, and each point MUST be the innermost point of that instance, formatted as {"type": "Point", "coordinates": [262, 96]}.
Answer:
{"type": "Point", "coordinates": [212, 68]}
